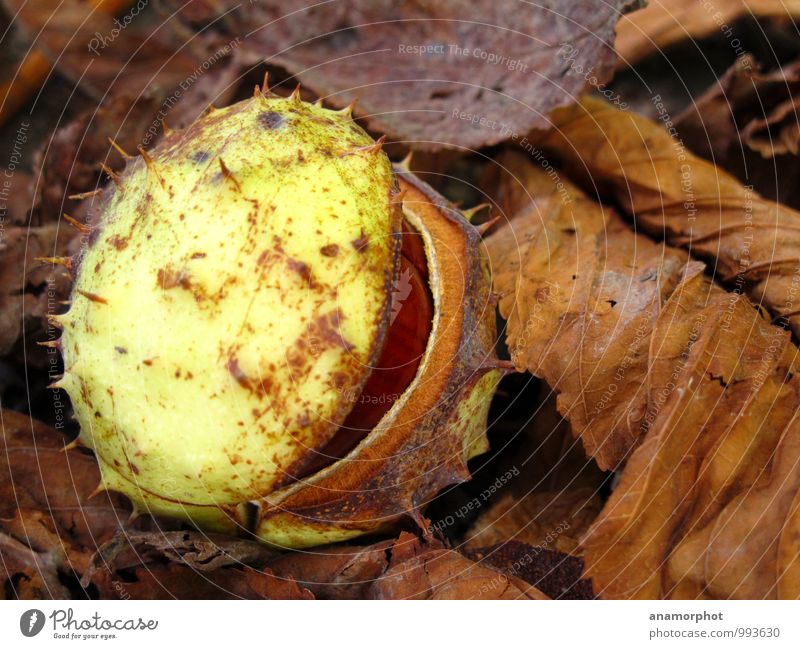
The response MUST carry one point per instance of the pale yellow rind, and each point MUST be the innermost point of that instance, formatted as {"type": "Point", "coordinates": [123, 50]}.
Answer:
{"type": "Point", "coordinates": [237, 287]}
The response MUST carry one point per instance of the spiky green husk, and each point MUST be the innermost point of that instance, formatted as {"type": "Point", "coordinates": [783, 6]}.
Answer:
{"type": "Point", "coordinates": [237, 284]}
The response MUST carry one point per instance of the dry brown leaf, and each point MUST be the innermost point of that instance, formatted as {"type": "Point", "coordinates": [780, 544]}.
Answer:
{"type": "Point", "coordinates": [193, 565]}
{"type": "Point", "coordinates": [777, 133]}
{"type": "Point", "coordinates": [336, 572]}
{"type": "Point", "coordinates": [741, 97]}
{"type": "Point", "coordinates": [743, 118]}
{"type": "Point", "coordinates": [82, 41]}
{"type": "Point", "coordinates": [25, 68]}
{"type": "Point", "coordinates": [354, 49]}
{"type": "Point", "coordinates": [665, 22]}
{"type": "Point", "coordinates": [713, 438]}
{"type": "Point", "coordinates": [178, 581]}
{"type": "Point", "coordinates": [557, 575]}
{"type": "Point", "coordinates": [187, 565]}
{"type": "Point", "coordinates": [404, 568]}
{"type": "Point", "coordinates": [41, 476]}
{"type": "Point", "coordinates": [30, 569]}
{"type": "Point", "coordinates": [69, 161]}
{"type": "Point", "coordinates": [748, 551]}
{"type": "Point", "coordinates": [550, 520]}
{"type": "Point", "coordinates": [419, 571]}
{"type": "Point", "coordinates": [30, 288]}
{"type": "Point", "coordinates": [751, 242]}
{"type": "Point", "coordinates": [49, 523]}
{"type": "Point", "coordinates": [788, 561]}
{"type": "Point", "coordinates": [198, 550]}
{"type": "Point", "coordinates": [716, 383]}
{"type": "Point", "coordinates": [17, 200]}
{"type": "Point", "coordinates": [582, 298]}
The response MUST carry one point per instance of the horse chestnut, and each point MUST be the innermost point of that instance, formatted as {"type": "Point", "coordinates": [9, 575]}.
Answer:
{"type": "Point", "coordinates": [273, 330]}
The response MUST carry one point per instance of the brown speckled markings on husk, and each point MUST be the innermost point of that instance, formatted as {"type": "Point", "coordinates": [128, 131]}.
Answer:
{"type": "Point", "coordinates": [240, 336]}
{"type": "Point", "coordinates": [235, 291]}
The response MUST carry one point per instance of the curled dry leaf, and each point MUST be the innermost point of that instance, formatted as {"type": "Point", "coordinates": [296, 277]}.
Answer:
{"type": "Point", "coordinates": [745, 117]}
{"type": "Point", "coordinates": [28, 569]}
{"type": "Point", "coordinates": [714, 437]}
{"type": "Point", "coordinates": [750, 550]}
{"type": "Point", "coordinates": [187, 565]}
{"type": "Point", "coordinates": [405, 568]}
{"type": "Point", "coordinates": [198, 550]}
{"type": "Point", "coordinates": [778, 132]}
{"type": "Point", "coordinates": [752, 242]}
{"type": "Point", "coordinates": [29, 287]}
{"type": "Point", "coordinates": [82, 42]}
{"type": "Point", "coordinates": [556, 574]}
{"type": "Point", "coordinates": [69, 161]}
{"type": "Point", "coordinates": [551, 520]}
{"type": "Point", "coordinates": [177, 581]}
{"type": "Point", "coordinates": [337, 572]}
{"type": "Point", "coordinates": [139, 69]}
{"type": "Point", "coordinates": [708, 387]}
{"type": "Point", "coordinates": [17, 197]}
{"type": "Point", "coordinates": [424, 73]}
{"type": "Point", "coordinates": [419, 571]}
{"type": "Point", "coordinates": [49, 523]}
{"type": "Point", "coordinates": [741, 108]}
{"type": "Point", "coordinates": [663, 23]}
{"type": "Point", "coordinates": [26, 67]}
